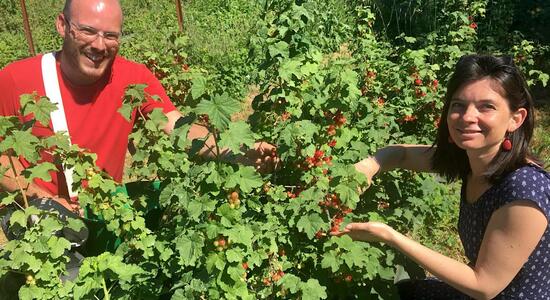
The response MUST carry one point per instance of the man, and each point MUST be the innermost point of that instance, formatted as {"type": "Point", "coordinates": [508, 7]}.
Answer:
{"type": "Point", "coordinates": [92, 79]}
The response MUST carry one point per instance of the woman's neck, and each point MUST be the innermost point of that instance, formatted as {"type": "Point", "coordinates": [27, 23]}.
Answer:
{"type": "Point", "coordinates": [480, 161]}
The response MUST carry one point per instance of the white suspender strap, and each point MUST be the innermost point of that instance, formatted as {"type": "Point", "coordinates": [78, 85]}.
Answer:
{"type": "Point", "coordinates": [59, 121]}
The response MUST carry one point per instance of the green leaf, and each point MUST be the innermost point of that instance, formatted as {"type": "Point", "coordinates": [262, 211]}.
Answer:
{"type": "Point", "coordinates": [219, 110]}
{"type": "Point", "coordinates": [348, 194]}
{"type": "Point", "coordinates": [310, 224]}
{"type": "Point", "coordinates": [356, 257]}
{"type": "Point", "coordinates": [7, 198]}
{"type": "Point", "coordinates": [234, 255]}
{"type": "Point", "coordinates": [214, 260]}
{"type": "Point", "coordinates": [289, 68]}
{"type": "Point", "coordinates": [312, 290]}
{"type": "Point", "coordinates": [543, 77]}
{"type": "Point", "coordinates": [126, 111]}
{"type": "Point", "coordinates": [59, 140]}
{"type": "Point", "coordinates": [58, 246]}
{"type": "Point", "coordinates": [157, 119]}
{"type": "Point", "coordinates": [330, 261]}
{"type": "Point", "coordinates": [279, 48]}
{"type": "Point", "coordinates": [303, 130]}
{"type": "Point", "coordinates": [189, 248]}
{"type": "Point", "coordinates": [84, 288]}
{"type": "Point", "coordinates": [23, 143]}
{"type": "Point", "coordinates": [196, 208]}
{"type": "Point", "coordinates": [309, 68]}
{"type": "Point", "coordinates": [291, 282]}
{"type": "Point", "coordinates": [240, 234]}
{"type": "Point", "coordinates": [246, 178]}
{"type": "Point", "coordinates": [237, 134]}
{"type": "Point", "coordinates": [198, 86]}
{"type": "Point", "coordinates": [40, 109]}
{"type": "Point", "coordinates": [126, 272]}
{"type": "Point", "coordinates": [75, 224]}
{"type": "Point", "coordinates": [134, 97]}
{"type": "Point", "coordinates": [7, 124]}
{"type": "Point", "coordinates": [41, 171]}
{"type": "Point", "coordinates": [166, 254]}
{"type": "Point", "coordinates": [136, 93]}
{"type": "Point", "coordinates": [409, 39]}
{"type": "Point", "coordinates": [18, 217]}
{"type": "Point", "coordinates": [50, 225]}
{"type": "Point", "coordinates": [20, 257]}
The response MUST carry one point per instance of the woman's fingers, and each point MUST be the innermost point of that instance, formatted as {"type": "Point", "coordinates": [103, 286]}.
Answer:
{"type": "Point", "coordinates": [368, 232]}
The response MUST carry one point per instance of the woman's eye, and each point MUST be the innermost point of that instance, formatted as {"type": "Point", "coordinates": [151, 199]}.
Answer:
{"type": "Point", "coordinates": [456, 105]}
{"type": "Point", "coordinates": [488, 107]}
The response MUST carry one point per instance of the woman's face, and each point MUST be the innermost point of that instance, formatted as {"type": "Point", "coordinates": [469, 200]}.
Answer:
{"type": "Point", "coordinates": [479, 118]}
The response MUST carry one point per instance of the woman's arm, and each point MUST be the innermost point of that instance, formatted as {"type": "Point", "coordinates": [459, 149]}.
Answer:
{"type": "Point", "coordinates": [511, 236]}
{"type": "Point", "coordinates": [410, 157]}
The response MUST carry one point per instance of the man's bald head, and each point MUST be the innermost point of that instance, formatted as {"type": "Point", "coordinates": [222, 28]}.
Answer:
{"type": "Point", "coordinates": [68, 5]}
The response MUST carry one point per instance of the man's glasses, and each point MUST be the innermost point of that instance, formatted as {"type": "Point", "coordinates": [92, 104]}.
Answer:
{"type": "Point", "coordinates": [89, 34]}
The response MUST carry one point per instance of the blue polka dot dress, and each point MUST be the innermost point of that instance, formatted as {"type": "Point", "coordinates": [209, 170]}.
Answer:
{"type": "Point", "coordinates": [533, 280]}
{"type": "Point", "coordinates": [527, 183]}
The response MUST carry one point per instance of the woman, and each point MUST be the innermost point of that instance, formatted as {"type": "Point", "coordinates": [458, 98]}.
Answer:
{"type": "Point", "coordinates": [486, 125]}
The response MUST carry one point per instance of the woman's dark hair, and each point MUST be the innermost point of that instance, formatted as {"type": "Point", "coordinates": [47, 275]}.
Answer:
{"type": "Point", "coordinates": [451, 161]}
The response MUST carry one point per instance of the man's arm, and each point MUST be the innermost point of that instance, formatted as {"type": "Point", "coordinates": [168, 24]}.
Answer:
{"type": "Point", "coordinates": [261, 156]}
{"type": "Point", "coordinates": [195, 132]}
{"type": "Point", "coordinates": [12, 183]}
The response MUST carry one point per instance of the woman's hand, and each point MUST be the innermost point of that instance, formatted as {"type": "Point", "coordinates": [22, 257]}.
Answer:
{"type": "Point", "coordinates": [369, 232]}
{"type": "Point", "coordinates": [369, 167]}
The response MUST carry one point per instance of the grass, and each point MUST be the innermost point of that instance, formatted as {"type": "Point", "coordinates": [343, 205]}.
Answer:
{"type": "Point", "coordinates": [541, 136]}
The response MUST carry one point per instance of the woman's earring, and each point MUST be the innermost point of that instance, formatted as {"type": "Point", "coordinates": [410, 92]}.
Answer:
{"type": "Point", "coordinates": [507, 143]}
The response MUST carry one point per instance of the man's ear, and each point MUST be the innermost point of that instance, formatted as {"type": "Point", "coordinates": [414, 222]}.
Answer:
{"type": "Point", "coordinates": [61, 25]}
{"type": "Point", "coordinates": [518, 117]}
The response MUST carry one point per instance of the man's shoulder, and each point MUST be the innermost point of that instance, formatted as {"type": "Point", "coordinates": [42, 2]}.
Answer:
{"type": "Point", "coordinates": [24, 64]}
{"type": "Point", "coordinates": [128, 70]}
{"type": "Point", "coordinates": [127, 64]}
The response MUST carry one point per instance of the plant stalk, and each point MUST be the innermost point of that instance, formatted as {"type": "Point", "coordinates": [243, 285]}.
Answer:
{"type": "Point", "coordinates": [16, 178]}
{"type": "Point", "coordinates": [218, 158]}
{"type": "Point", "coordinates": [105, 290]}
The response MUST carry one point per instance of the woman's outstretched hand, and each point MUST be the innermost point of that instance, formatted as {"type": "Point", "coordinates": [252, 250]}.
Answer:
{"type": "Point", "coordinates": [368, 232]}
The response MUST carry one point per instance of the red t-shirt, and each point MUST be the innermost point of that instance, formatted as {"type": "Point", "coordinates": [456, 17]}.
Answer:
{"type": "Point", "coordinates": [91, 111]}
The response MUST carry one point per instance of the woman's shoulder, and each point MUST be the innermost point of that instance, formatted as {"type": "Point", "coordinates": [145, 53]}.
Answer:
{"type": "Point", "coordinates": [530, 182]}
{"type": "Point", "coordinates": [527, 177]}
{"type": "Point", "coordinates": [530, 173]}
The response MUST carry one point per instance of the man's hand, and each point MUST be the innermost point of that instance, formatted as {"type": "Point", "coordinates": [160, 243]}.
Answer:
{"type": "Point", "coordinates": [263, 157]}
{"type": "Point", "coordinates": [73, 206]}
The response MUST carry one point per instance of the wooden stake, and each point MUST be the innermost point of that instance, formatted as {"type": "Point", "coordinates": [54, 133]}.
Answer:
{"type": "Point", "coordinates": [28, 33]}
{"type": "Point", "coordinates": [180, 14]}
